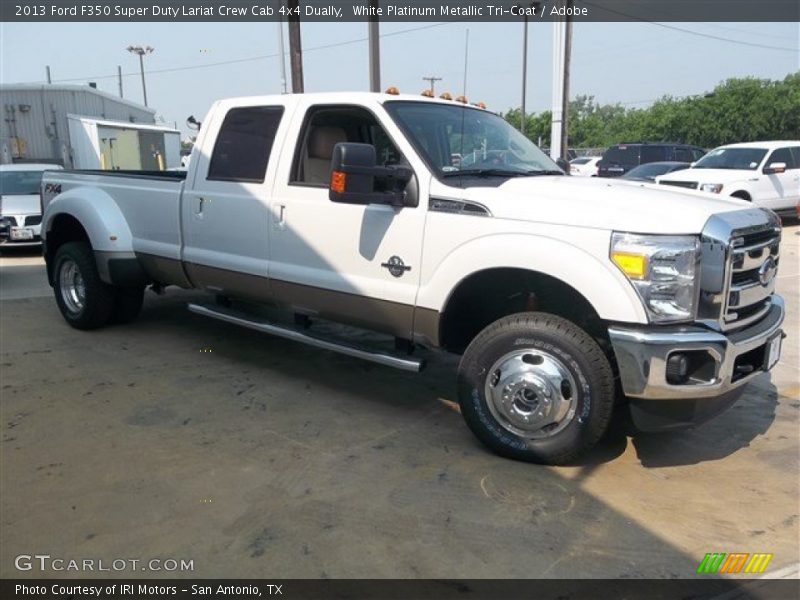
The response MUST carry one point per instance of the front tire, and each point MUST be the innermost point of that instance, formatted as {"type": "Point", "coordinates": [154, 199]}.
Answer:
{"type": "Point", "coordinates": [83, 299]}
{"type": "Point", "coordinates": [535, 387]}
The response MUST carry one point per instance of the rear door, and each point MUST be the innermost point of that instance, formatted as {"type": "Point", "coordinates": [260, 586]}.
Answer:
{"type": "Point", "coordinates": [225, 209]}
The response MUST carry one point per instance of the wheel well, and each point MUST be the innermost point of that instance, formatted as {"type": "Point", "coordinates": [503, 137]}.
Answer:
{"type": "Point", "coordinates": [741, 194]}
{"type": "Point", "coordinates": [486, 296]}
{"type": "Point", "coordinates": [65, 228]}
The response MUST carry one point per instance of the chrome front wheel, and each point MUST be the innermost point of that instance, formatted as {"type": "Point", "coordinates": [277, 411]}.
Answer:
{"type": "Point", "coordinates": [531, 393]}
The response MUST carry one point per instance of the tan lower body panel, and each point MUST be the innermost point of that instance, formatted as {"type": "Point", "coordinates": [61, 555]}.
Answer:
{"type": "Point", "coordinates": [352, 309]}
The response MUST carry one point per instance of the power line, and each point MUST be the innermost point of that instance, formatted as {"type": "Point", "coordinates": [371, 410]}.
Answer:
{"type": "Point", "coordinates": [691, 32]}
{"type": "Point", "coordinates": [250, 58]}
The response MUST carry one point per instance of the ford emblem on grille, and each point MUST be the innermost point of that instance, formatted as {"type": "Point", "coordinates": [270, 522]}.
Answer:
{"type": "Point", "coordinates": [766, 273]}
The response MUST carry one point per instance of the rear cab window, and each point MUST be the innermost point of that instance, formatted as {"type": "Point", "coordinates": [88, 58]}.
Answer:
{"type": "Point", "coordinates": [244, 144]}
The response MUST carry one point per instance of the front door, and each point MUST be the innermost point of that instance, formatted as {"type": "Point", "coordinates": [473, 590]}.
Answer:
{"type": "Point", "coordinates": [358, 264]}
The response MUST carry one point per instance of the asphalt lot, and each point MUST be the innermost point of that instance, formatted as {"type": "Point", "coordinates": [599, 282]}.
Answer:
{"type": "Point", "coordinates": [180, 437]}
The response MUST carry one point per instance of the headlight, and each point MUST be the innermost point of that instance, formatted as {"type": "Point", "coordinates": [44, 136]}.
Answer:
{"type": "Point", "coordinates": [714, 188]}
{"type": "Point", "coordinates": [664, 271]}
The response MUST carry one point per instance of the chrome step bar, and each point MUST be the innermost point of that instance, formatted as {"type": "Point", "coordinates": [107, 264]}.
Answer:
{"type": "Point", "coordinates": [229, 316]}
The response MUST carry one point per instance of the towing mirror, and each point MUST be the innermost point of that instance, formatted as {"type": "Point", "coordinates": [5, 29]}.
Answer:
{"type": "Point", "coordinates": [775, 168]}
{"type": "Point", "coordinates": [357, 179]}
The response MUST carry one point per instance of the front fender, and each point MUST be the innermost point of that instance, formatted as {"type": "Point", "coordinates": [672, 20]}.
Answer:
{"type": "Point", "coordinates": [99, 215]}
{"type": "Point", "coordinates": [586, 269]}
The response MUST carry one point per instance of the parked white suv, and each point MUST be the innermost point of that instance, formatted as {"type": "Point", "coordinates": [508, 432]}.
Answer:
{"type": "Point", "coordinates": [766, 173]}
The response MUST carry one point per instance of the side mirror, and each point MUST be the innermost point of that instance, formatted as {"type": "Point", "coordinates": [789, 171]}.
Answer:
{"type": "Point", "coordinates": [355, 177]}
{"type": "Point", "coordinates": [775, 168]}
{"type": "Point", "coordinates": [692, 164]}
{"type": "Point", "coordinates": [563, 165]}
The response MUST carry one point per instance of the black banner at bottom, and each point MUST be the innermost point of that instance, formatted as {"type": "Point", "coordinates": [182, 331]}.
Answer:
{"type": "Point", "coordinates": [393, 589]}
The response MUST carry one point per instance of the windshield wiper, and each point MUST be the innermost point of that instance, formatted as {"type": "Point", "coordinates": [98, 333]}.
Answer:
{"type": "Point", "coordinates": [486, 173]}
{"type": "Point", "coordinates": [500, 173]}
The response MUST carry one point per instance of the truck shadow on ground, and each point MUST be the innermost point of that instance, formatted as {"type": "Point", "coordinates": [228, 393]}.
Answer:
{"type": "Point", "coordinates": [724, 435]}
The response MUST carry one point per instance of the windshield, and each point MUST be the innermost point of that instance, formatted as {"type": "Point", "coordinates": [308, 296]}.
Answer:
{"type": "Point", "coordinates": [622, 155]}
{"type": "Point", "coordinates": [732, 158]}
{"type": "Point", "coordinates": [20, 182]}
{"type": "Point", "coordinates": [459, 140]}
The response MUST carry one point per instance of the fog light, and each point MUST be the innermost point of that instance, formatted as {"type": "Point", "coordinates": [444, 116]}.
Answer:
{"type": "Point", "coordinates": [677, 369]}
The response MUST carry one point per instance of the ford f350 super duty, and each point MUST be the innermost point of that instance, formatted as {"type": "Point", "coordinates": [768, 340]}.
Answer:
{"type": "Point", "coordinates": [563, 295]}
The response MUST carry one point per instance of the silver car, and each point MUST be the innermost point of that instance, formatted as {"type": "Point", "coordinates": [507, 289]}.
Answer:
{"type": "Point", "coordinates": [20, 208]}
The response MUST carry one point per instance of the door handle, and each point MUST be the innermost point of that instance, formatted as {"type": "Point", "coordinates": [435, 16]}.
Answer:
{"type": "Point", "coordinates": [200, 206]}
{"type": "Point", "coordinates": [280, 222]}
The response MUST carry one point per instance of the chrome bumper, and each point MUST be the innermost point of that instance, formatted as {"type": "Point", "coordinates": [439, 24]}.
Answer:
{"type": "Point", "coordinates": [642, 355]}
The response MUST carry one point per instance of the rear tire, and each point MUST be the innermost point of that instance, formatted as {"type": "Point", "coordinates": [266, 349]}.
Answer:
{"type": "Point", "coordinates": [85, 301]}
{"type": "Point", "coordinates": [535, 387]}
{"type": "Point", "coordinates": [127, 304]}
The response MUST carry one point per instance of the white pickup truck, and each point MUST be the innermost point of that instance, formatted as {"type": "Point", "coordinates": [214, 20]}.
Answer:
{"type": "Point", "coordinates": [563, 295]}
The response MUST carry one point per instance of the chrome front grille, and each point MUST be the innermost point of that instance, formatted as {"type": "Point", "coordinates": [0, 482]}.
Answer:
{"type": "Point", "coordinates": [754, 258]}
{"type": "Point", "coordinates": [692, 185]}
{"type": "Point", "coordinates": [739, 261]}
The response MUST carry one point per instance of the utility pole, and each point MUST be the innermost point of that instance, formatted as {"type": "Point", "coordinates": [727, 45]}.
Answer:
{"type": "Point", "coordinates": [281, 53]}
{"type": "Point", "coordinates": [141, 51]}
{"type": "Point", "coordinates": [534, 5]}
{"type": "Point", "coordinates": [374, 48]}
{"type": "Point", "coordinates": [565, 100]}
{"type": "Point", "coordinates": [524, 75]}
{"type": "Point", "coordinates": [466, 62]}
{"type": "Point", "coordinates": [49, 80]}
{"type": "Point", "coordinates": [295, 47]}
{"type": "Point", "coordinates": [432, 81]}
{"type": "Point", "coordinates": [119, 80]}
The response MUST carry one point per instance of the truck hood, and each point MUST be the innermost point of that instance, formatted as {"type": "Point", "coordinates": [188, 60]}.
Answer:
{"type": "Point", "coordinates": [710, 175]}
{"type": "Point", "coordinates": [23, 204]}
{"type": "Point", "coordinates": [596, 203]}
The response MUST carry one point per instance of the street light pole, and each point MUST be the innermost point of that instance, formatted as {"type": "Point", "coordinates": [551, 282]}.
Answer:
{"type": "Point", "coordinates": [141, 51]}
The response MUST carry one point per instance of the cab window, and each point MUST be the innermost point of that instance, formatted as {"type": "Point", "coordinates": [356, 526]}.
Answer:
{"type": "Point", "coordinates": [326, 126]}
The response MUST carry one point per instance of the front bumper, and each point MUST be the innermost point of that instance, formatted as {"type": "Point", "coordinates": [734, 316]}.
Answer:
{"type": "Point", "coordinates": [722, 364]}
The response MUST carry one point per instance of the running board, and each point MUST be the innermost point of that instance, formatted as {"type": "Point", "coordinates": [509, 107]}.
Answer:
{"type": "Point", "coordinates": [229, 316]}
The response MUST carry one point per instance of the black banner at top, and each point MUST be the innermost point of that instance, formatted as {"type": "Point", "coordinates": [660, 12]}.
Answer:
{"type": "Point", "coordinates": [333, 11]}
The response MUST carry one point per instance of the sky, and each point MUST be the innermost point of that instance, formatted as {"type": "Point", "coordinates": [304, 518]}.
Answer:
{"type": "Point", "coordinates": [630, 63]}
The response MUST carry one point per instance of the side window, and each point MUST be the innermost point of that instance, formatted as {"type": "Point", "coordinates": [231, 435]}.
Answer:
{"type": "Point", "coordinates": [244, 143]}
{"type": "Point", "coordinates": [327, 126]}
{"type": "Point", "coordinates": [653, 154]}
{"type": "Point", "coordinates": [783, 155]}
{"type": "Point", "coordinates": [683, 155]}
{"type": "Point", "coordinates": [796, 153]}
{"type": "Point", "coordinates": [698, 153]}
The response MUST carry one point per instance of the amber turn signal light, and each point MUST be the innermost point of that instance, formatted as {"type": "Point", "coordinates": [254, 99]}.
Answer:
{"type": "Point", "coordinates": [338, 181]}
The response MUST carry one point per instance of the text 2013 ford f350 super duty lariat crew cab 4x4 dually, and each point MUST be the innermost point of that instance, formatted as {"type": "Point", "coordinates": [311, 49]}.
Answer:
{"type": "Point", "coordinates": [562, 294]}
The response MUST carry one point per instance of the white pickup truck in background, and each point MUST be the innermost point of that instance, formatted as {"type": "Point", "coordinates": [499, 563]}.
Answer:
{"type": "Point", "coordinates": [564, 295]}
{"type": "Point", "coordinates": [764, 173]}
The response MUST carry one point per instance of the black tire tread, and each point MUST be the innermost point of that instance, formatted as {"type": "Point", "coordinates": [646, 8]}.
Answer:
{"type": "Point", "coordinates": [99, 295]}
{"type": "Point", "coordinates": [592, 353]}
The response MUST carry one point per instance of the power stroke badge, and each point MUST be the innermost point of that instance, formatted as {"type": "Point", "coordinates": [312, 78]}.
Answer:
{"type": "Point", "coordinates": [396, 266]}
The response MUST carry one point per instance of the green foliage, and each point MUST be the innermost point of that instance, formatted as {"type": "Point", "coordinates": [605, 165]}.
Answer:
{"type": "Point", "coordinates": [738, 110]}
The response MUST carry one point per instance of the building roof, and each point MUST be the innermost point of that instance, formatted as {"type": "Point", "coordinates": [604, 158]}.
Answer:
{"type": "Point", "coordinates": [47, 87]}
